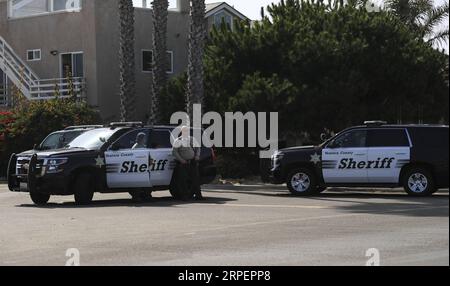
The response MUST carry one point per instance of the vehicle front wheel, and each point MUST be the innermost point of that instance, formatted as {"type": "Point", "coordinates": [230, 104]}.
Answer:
{"type": "Point", "coordinates": [39, 199]}
{"type": "Point", "coordinates": [302, 182]}
{"type": "Point", "coordinates": [84, 189]}
{"type": "Point", "coordinates": [418, 181]}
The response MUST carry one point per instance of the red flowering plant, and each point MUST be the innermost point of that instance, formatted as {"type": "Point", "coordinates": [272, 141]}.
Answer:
{"type": "Point", "coordinates": [6, 119]}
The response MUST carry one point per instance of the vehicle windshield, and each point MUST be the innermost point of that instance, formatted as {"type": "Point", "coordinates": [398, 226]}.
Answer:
{"type": "Point", "coordinates": [58, 140]}
{"type": "Point", "coordinates": [93, 139]}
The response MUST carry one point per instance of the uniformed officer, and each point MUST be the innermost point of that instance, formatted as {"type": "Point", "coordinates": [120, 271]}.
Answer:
{"type": "Point", "coordinates": [143, 194]}
{"type": "Point", "coordinates": [186, 151]}
{"type": "Point", "coordinates": [140, 141]}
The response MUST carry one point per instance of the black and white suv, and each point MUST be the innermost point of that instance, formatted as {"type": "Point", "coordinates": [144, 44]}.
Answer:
{"type": "Point", "coordinates": [372, 155]}
{"type": "Point", "coordinates": [102, 160]}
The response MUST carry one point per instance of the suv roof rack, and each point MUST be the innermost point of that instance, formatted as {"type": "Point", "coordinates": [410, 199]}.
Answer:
{"type": "Point", "coordinates": [126, 124]}
{"type": "Point", "coordinates": [83, 127]}
{"type": "Point", "coordinates": [375, 123]}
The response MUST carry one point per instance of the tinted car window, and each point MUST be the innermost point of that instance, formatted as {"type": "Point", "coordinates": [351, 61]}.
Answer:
{"type": "Point", "coordinates": [350, 139]}
{"type": "Point", "coordinates": [430, 137]}
{"type": "Point", "coordinates": [51, 142]}
{"type": "Point", "coordinates": [388, 138]}
{"type": "Point", "coordinates": [160, 139]}
{"type": "Point", "coordinates": [93, 139]}
{"type": "Point", "coordinates": [128, 140]}
{"type": "Point", "coordinates": [70, 136]}
{"type": "Point", "coordinates": [59, 140]}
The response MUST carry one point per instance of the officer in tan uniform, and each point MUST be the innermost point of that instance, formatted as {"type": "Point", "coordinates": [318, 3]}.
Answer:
{"type": "Point", "coordinates": [186, 151]}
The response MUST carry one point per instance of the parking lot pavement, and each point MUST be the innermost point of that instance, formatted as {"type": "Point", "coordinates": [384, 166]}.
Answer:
{"type": "Point", "coordinates": [246, 225]}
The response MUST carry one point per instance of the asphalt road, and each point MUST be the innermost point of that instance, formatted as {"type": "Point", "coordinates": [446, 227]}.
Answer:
{"type": "Point", "coordinates": [252, 225]}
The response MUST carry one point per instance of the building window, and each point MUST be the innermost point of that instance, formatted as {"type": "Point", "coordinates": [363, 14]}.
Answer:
{"type": "Point", "coordinates": [72, 65]}
{"type": "Point", "coordinates": [223, 17]}
{"type": "Point", "coordinates": [147, 61]}
{"type": "Point", "coordinates": [26, 8]}
{"type": "Point", "coordinates": [148, 4]}
{"type": "Point", "coordinates": [63, 5]}
{"type": "Point", "coordinates": [170, 61]}
{"type": "Point", "coordinates": [33, 55]}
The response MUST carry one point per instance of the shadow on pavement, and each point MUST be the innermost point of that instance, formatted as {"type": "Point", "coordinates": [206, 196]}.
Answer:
{"type": "Point", "coordinates": [155, 202]}
{"type": "Point", "coordinates": [379, 201]}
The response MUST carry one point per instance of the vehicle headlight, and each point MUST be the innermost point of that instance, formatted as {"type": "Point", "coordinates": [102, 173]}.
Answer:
{"type": "Point", "coordinates": [54, 165]}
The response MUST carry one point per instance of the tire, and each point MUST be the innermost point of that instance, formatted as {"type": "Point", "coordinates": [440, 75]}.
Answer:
{"type": "Point", "coordinates": [418, 182]}
{"type": "Point", "coordinates": [84, 189]}
{"type": "Point", "coordinates": [39, 199]}
{"type": "Point", "coordinates": [302, 182]}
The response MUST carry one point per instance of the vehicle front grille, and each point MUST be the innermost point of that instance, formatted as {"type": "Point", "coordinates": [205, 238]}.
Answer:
{"type": "Point", "coordinates": [22, 166]}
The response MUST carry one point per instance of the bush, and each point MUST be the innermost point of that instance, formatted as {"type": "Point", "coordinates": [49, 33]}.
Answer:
{"type": "Point", "coordinates": [6, 118]}
{"type": "Point", "coordinates": [237, 164]}
{"type": "Point", "coordinates": [31, 122]}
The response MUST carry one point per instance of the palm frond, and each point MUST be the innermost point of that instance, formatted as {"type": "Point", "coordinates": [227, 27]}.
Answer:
{"type": "Point", "coordinates": [440, 38]}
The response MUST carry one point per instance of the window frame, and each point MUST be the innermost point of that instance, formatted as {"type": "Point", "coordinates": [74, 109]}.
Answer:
{"type": "Point", "coordinates": [171, 63]}
{"type": "Point", "coordinates": [61, 71]}
{"type": "Point", "coordinates": [33, 51]}
{"type": "Point", "coordinates": [223, 11]}
{"type": "Point", "coordinates": [49, 10]}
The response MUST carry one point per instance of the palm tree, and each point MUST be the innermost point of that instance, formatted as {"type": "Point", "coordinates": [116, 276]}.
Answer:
{"type": "Point", "coordinates": [197, 36]}
{"type": "Point", "coordinates": [422, 17]}
{"type": "Point", "coordinates": [160, 62]}
{"type": "Point", "coordinates": [127, 80]}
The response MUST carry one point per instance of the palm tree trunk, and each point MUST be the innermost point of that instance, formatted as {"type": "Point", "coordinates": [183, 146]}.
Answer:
{"type": "Point", "coordinates": [197, 35]}
{"type": "Point", "coordinates": [127, 79]}
{"type": "Point", "coordinates": [160, 61]}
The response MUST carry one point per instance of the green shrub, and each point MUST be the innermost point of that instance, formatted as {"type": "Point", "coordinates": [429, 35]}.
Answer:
{"type": "Point", "coordinates": [32, 121]}
{"type": "Point", "coordinates": [237, 164]}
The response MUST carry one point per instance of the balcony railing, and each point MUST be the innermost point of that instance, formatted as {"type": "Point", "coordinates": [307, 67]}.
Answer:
{"type": "Point", "coordinates": [62, 87]}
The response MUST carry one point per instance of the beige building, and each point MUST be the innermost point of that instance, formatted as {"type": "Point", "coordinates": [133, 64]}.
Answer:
{"type": "Point", "coordinates": [42, 40]}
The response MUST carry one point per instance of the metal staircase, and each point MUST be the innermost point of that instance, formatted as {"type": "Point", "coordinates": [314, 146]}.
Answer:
{"type": "Point", "coordinates": [29, 84]}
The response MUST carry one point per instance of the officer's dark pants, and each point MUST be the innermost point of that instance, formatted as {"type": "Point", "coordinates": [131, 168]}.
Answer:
{"type": "Point", "coordinates": [186, 180]}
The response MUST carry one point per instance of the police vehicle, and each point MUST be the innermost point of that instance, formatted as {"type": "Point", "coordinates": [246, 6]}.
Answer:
{"type": "Point", "coordinates": [102, 160]}
{"type": "Point", "coordinates": [372, 155]}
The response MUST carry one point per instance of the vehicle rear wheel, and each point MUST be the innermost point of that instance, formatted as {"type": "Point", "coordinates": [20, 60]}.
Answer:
{"type": "Point", "coordinates": [39, 199]}
{"type": "Point", "coordinates": [418, 181]}
{"type": "Point", "coordinates": [84, 189]}
{"type": "Point", "coordinates": [302, 182]}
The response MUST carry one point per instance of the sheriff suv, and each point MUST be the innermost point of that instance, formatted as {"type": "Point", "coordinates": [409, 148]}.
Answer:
{"type": "Point", "coordinates": [372, 155]}
{"type": "Point", "coordinates": [102, 160]}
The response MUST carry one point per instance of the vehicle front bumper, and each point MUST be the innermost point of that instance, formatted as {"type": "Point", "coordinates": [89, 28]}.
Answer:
{"type": "Point", "coordinates": [276, 176]}
{"type": "Point", "coordinates": [53, 184]}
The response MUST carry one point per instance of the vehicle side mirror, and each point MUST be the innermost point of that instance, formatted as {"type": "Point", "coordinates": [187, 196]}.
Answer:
{"type": "Point", "coordinates": [323, 137]}
{"type": "Point", "coordinates": [35, 147]}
